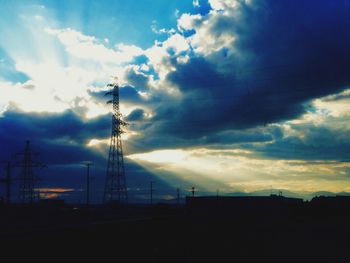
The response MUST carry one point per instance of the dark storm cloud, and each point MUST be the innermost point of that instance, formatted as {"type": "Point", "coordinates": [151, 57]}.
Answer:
{"type": "Point", "coordinates": [136, 115]}
{"type": "Point", "coordinates": [53, 126]}
{"type": "Point", "coordinates": [128, 94]}
{"type": "Point", "coordinates": [262, 134]}
{"type": "Point", "coordinates": [137, 79]}
{"type": "Point", "coordinates": [317, 143]}
{"type": "Point", "coordinates": [285, 54]}
{"type": "Point", "coordinates": [220, 140]}
{"type": "Point", "coordinates": [60, 136]}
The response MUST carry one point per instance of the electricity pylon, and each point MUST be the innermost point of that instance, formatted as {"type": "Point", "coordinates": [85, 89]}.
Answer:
{"type": "Point", "coordinates": [28, 180]}
{"type": "Point", "coordinates": [115, 185]}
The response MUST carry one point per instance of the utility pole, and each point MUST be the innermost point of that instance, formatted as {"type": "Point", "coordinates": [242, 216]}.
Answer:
{"type": "Point", "coordinates": [7, 180]}
{"type": "Point", "coordinates": [88, 164]}
{"type": "Point", "coordinates": [178, 195]}
{"type": "Point", "coordinates": [151, 192]}
{"type": "Point", "coordinates": [115, 184]}
{"type": "Point", "coordinates": [193, 190]}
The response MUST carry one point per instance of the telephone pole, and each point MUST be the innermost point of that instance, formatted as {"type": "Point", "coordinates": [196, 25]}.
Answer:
{"type": "Point", "coordinates": [151, 192]}
{"type": "Point", "coordinates": [192, 190]}
{"type": "Point", "coordinates": [88, 164]}
{"type": "Point", "coordinates": [115, 184]}
{"type": "Point", "coordinates": [178, 195]}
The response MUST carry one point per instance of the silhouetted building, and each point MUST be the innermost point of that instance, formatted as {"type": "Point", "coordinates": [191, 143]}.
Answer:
{"type": "Point", "coordinates": [50, 201]}
{"type": "Point", "coordinates": [331, 204]}
{"type": "Point", "coordinates": [243, 204]}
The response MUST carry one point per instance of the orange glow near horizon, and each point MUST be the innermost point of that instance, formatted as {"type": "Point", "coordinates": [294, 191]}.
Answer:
{"type": "Point", "coordinates": [55, 190]}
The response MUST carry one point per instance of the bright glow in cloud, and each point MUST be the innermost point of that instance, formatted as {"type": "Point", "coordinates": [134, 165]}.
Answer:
{"type": "Point", "coordinates": [88, 47]}
{"type": "Point", "coordinates": [334, 105]}
{"type": "Point", "coordinates": [331, 112]}
{"type": "Point", "coordinates": [162, 156]}
{"type": "Point", "coordinates": [97, 142]}
{"type": "Point", "coordinates": [57, 85]}
{"type": "Point", "coordinates": [239, 170]}
{"type": "Point", "coordinates": [27, 99]}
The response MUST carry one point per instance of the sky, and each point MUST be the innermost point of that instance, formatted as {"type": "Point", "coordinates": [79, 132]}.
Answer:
{"type": "Point", "coordinates": [235, 96]}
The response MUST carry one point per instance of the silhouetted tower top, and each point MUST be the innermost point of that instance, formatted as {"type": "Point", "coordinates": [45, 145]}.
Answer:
{"type": "Point", "coordinates": [115, 185]}
{"type": "Point", "coordinates": [27, 192]}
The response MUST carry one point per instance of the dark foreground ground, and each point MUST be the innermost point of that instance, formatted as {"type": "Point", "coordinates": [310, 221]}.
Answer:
{"type": "Point", "coordinates": [142, 234]}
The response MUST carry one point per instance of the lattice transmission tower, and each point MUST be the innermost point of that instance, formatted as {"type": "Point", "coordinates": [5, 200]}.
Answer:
{"type": "Point", "coordinates": [115, 185]}
{"type": "Point", "coordinates": [28, 180]}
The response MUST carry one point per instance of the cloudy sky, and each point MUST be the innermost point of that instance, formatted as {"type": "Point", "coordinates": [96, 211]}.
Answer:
{"type": "Point", "coordinates": [235, 95]}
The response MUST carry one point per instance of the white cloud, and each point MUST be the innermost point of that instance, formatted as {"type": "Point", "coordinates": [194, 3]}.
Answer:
{"type": "Point", "coordinates": [210, 37]}
{"type": "Point", "coordinates": [330, 113]}
{"type": "Point", "coordinates": [159, 56]}
{"type": "Point", "coordinates": [128, 52]}
{"type": "Point", "coordinates": [207, 41]}
{"type": "Point", "coordinates": [155, 29]}
{"type": "Point", "coordinates": [334, 105]}
{"type": "Point", "coordinates": [223, 4]}
{"type": "Point", "coordinates": [177, 42]}
{"type": "Point", "coordinates": [64, 73]}
{"type": "Point", "coordinates": [88, 47]}
{"type": "Point", "coordinates": [188, 21]}
{"type": "Point", "coordinates": [53, 88]}
{"type": "Point", "coordinates": [28, 100]}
